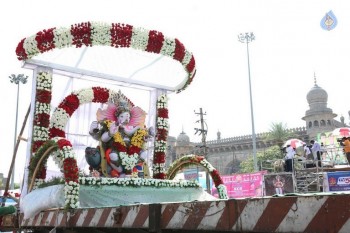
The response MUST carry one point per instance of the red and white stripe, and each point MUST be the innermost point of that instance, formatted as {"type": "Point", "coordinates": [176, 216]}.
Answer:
{"type": "Point", "coordinates": [317, 213]}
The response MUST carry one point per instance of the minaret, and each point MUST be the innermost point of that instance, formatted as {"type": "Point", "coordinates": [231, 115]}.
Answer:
{"type": "Point", "coordinates": [319, 118]}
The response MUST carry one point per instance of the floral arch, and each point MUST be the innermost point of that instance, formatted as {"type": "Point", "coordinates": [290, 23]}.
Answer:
{"type": "Point", "coordinates": [188, 160]}
{"type": "Point", "coordinates": [116, 35]}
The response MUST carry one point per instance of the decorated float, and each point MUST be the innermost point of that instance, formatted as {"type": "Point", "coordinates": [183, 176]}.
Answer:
{"type": "Point", "coordinates": [83, 108]}
{"type": "Point", "coordinates": [127, 162]}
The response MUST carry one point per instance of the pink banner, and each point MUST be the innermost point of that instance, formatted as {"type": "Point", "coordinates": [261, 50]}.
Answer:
{"type": "Point", "coordinates": [243, 185]}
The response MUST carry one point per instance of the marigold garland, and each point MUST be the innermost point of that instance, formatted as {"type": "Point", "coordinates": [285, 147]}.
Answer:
{"type": "Point", "coordinates": [129, 156]}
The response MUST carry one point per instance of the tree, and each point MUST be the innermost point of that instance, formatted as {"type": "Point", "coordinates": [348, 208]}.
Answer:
{"type": "Point", "coordinates": [279, 133]}
{"type": "Point", "coordinates": [272, 153]}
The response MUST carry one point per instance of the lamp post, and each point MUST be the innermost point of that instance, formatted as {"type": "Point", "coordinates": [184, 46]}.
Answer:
{"type": "Point", "coordinates": [247, 38]}
{"type": "Point", "coordinates": [16, 79]}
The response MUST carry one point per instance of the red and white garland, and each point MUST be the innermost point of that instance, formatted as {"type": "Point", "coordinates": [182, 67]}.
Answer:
{"type": "Point", "coordinates": [65, 158]}
{"type": "Point", "coordinates": [200, 160]}
{"type": "Point", "coordinates": [67, 107]}
{"type": "Point", "coordinates": [115, 35]}
{"type": "Point", "coordinates": [160, 144]}
{"type": "Point", "coordinates": [41, 119]}
{"type": "Point", "coordinates": [42, 109]}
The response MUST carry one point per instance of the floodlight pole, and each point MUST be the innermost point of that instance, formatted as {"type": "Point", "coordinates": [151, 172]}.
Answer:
{"type": "Point", "coordinates": [16, 79]}
{"type": "Point", "coordinates": [247, 38]}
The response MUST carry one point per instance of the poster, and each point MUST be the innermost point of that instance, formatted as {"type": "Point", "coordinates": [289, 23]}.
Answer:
{"type": "Point", "coordinates": [278, 183]}
{"type": "Point", "coordinates": [200, 176]}
{"type": "Point", "coordinates": [243, 185]}
{"type": "Point", "coordinates": [336, 181]}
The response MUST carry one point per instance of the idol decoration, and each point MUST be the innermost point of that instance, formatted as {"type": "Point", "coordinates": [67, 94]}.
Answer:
{"type": "Point", "coordinates": [122, 135]}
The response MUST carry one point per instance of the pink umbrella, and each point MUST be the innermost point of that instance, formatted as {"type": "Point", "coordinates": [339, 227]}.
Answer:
{"type": "Point", "coordinates": [294, 142]}
{"type": "Point", "coordinates": [341, 132]}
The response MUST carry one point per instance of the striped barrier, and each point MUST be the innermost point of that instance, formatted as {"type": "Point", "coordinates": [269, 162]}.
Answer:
{"type": "Point", "coordinates": [316, 213]}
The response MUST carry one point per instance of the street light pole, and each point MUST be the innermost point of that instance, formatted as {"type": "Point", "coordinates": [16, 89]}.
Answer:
{"type": "Point", "coordinates": [247, 38]}
{"type": "Point", "coordinates": [16, 79]}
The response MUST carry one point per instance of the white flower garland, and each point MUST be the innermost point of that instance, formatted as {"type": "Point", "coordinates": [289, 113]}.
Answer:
{"type": "Point", "coordinates": [62, 37]}
{"type": "Point", "coordinates": [137, 182]}
{"type": "Point", "coordinates": [207, 165]}
{"type": "Point", "coordinates": [59, 119]}
{"type": "Point", "coordinates": [31, 46]}
{"type": "Point", "coordinates": [44, 81]}
{"type": "Point", "coordinates": [40, 133]}
{"type": "Point", "coordinates": [222, 191]}
{"type": "Point", "coordinates": [100, 33]}
{"type": "Point", "coordinates": [128, 161]}
{"type": "Point", "coordinates": [85, 95]}
{"type": "Point", "coordinates": [42, 108]}
{"type": "Point", "coordinates": [139, 39]}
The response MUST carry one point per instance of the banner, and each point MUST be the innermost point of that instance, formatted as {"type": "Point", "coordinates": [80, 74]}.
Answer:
{"type": "Point", "coordinates": [333, 151]}
{"type": "Point", "coordinates": [200, 176]}
{"type": "Point", "coordinates": [243, 185]}
{"type": "Point", "coordinates": [336, 181]}
{"type": "Point", "coordinates": [279, 183]}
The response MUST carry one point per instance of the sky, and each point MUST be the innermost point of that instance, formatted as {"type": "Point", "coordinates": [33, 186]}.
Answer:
{"type": "Point", "coordinates": [289, 50]}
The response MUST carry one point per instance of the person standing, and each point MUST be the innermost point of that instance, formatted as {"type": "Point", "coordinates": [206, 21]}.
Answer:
{"type": "Point", "coordinates": [346, 145]}
{"type": "Point", "coordinates": [308, 156]}
{"type": "Point", "coordinates": [289, 158]}
{"type": "Point", "coordinates": [316, 150]}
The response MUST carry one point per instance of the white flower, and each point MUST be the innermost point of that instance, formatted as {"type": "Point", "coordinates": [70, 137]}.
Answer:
{"type": "Point", "coordinates": [59, 119]}
{"type": "Point", "coordinates": [222, 191]}
{"type": "Point", "coordinates": [42, 108]}
{"type": "Point", "coordinates": [40, 133]}
{"type": "Point", "coordinates": [62, 37]}
{"type": "Point", "coordinates": [187, 58]}
{"type": "Point", "coordinates": [168, 48]}
{"type": "Point", "coordinates": [139, 39]}
{"type": "Point", "coordinates": [85, 95]}
{"type": "Point", "coordinates": [31, 47]}
{"type": "Point", "coordinates": [100, 33]}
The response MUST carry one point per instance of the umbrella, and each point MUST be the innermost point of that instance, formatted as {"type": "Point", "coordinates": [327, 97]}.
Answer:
{"type": "Point", "coordinates": [341, 132]}
{"type": "Point", "coordinates": [294, 142]}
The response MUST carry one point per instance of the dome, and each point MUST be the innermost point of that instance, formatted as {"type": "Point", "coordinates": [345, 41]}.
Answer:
{"type": "Point", "coordinates": [317, 95]}
{"type": "Point", "coordinates": [183, 139]}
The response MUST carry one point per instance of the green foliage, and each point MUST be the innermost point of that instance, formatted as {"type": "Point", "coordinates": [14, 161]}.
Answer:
{"type": "Point", "coordinates": [271, 153]}
{"type": "Point", "coordinates": [52, 181]}
{"type": "Point", "coordinates": [35, 159]}
{"type": "Point", "coordinates": [279, 133]}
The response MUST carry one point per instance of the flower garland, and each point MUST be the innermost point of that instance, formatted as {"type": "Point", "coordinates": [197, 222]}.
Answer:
{"type": "Point", "coordinates": [41, 120]}
{"type": "Point", "coordinates": [115, 35]}
{"type": "Point", "coordinates": [129, 156]}
{"type": "Point", "coordinates": [162, 127]}
{"type": "Point", "coordinates": [67, 107]}
{"type": "Point", "coordinates": [64, 157]}
{"type": "Point", "coordinates": [42, 110]}
{"type": "Point", "coordinates": [200, 160]}
{"type": "Point", "coordinates": [137, 182]}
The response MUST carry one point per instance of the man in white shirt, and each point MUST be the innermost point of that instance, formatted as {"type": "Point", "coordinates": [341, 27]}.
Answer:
{"type": "Point", "coordinates": [289, 158]}
{"type": "Point", "coordinates": [316, 150]}
{"type": "Point", "coordinates": [308, 156]}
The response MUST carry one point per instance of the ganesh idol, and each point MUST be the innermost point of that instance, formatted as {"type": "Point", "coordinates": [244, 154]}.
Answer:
{"type": "Point", "coordinates": [122, 135]}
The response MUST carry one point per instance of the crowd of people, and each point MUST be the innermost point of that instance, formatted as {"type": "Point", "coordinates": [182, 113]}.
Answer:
{"type": "Point", "coordinates": [312, 152]}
